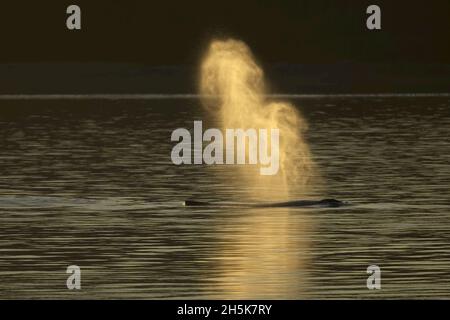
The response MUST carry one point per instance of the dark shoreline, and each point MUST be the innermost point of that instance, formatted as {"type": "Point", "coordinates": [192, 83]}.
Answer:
{"type": "Point", "coordinates": [344, 78]}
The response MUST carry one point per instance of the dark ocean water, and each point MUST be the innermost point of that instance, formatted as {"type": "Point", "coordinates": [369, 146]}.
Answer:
{"type": "Point", "coordinates": [91, 183]}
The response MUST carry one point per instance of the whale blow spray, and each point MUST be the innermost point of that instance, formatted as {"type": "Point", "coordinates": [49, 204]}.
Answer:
{"type": "Point", "coordinates": [232, 86]}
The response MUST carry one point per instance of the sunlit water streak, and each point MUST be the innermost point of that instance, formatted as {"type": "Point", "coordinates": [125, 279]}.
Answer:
{"type": "Point", "coordinates": [91, 183]}
{"type": "Point", "coordinates": [195, 96]}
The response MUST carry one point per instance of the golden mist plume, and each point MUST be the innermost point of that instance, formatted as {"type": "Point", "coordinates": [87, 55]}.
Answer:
{"type": "Point", "coordinates": [233, 88]}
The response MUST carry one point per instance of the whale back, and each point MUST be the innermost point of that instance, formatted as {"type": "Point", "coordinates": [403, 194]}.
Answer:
{"type": "Point", "coordinates": [326, 203]}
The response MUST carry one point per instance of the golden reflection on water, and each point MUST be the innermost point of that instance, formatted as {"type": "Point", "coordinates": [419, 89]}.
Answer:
{"type": "Point", "coordinates": [264, 255]}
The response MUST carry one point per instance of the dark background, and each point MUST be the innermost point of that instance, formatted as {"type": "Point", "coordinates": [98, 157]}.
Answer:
{"type": "Point", "coordinates": [322, 35]}
{"type": "Point", "coordinates": [172, 32]}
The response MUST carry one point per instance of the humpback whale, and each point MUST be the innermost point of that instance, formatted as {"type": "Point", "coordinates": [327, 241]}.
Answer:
{"type": "Point", "coordinates": [324, 203]}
